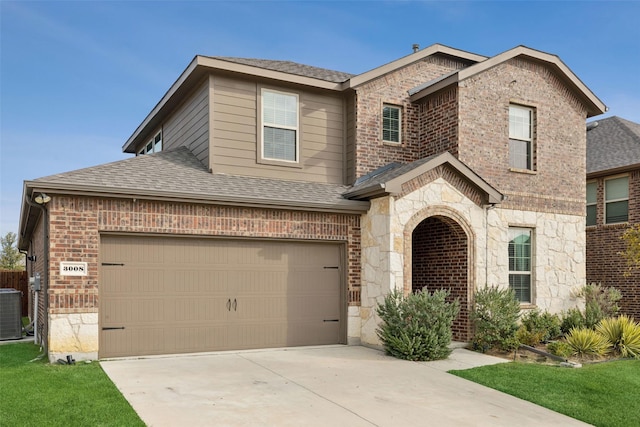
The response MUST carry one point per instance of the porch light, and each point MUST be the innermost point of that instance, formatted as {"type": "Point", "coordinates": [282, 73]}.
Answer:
{"type": "Point", "coordinates": [42, 199]}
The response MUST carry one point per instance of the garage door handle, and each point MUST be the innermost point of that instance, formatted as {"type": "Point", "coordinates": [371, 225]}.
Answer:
{"type": "Point", "coordinates": [111, 328]}
{"type": "Point", "coordinates": [229, 304]}
{"type": "Point", "coordinates": [235, 304]}
{"type": "Point", "coordinates": [331, 320]}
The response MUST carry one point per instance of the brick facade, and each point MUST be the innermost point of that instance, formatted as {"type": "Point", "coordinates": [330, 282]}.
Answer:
{"type": "Point", "coordinates": [604, 244]}
{"type": "Point", "coordinates": [557, 184]}
{"type": "Point", "coordinates": [392, 88]}
{"type": "Point", "coordinates": [76, 224]}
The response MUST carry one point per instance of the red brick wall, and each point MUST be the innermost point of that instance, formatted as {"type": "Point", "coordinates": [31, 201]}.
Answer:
{"type": "Point", "coordinates": [371, 152]}
{"type": "Point", "coordinates": [558, 184]}
{"type": "Point", "coordinates": [76, 223]}
{"type": "Point", "coordinates": [439, 261]}
{"type": "Point", "coordinates": [604, 264]}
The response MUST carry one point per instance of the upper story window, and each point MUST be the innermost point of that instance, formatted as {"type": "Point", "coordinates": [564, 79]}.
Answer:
{"type": "Point", "coordinates": [616, 200]}
{"type": "Point", "coordinates": [521, 129]}
{"type": "Point", "coordinates": [520, 263]}
{"type": "Point", "coordinates": [391, 119]}
{"type": "Point", "coordinates": [592, 199]}
{"type": "Point", "coordinates": [154, 145]}
{"type": "Point", "coordinates": [280, 126]}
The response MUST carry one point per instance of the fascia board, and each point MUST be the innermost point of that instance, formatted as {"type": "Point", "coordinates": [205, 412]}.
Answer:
{"type": "Point", "coordinates": [613, 171]}
{"type": "Point", "coordinates": [434, 87]}
{"type": "Point", "coordinates": [348, 206]}
{"type": "Point", "coordinates": [596, 106]}
{"type": "Point", "coordinates": [409, 59]}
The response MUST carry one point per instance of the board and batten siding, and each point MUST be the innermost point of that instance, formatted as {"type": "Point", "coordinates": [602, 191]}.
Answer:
{"type": "Point", "coordinates": [235, 127]}
{"type": "Point", "coordinates": [189, 124]}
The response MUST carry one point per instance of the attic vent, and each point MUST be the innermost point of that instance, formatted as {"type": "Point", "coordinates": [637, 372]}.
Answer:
{"type": "Point", "coordinates": [10, 311]}
{"type": "Point", "coordinates": [415, 47]}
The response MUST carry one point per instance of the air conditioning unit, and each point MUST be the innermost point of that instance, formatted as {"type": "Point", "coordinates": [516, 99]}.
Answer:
{"type": "Point", "coordinates": [10, 314]}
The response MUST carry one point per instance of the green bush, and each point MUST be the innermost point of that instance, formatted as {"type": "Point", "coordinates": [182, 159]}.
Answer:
{"type": "Point", "coordinates": [418, 326]}
{"type": "Point", "coordinates": [560, 348]}
{"type": "Point", "coordinates": [623, 333]}
{"type": "Point", "coordinates": [545, 324]}
{"type": "Point", "coordinates": [587, 342]}
{"type": "Point", "coordinates": [494, 316]}
{"type": "Point", "coordinates": [527, 337]}
{"type": "Point", "coordinates": [571, 319]}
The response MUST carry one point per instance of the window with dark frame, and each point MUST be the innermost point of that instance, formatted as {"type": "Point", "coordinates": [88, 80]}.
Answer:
{"type": "Point", "coordinates": [521, 137]}
{"type": "Point", "coordinates": [391, 120]}
{"type": "Point", "coordinates": [616, 200]}
{"type": "Point", "coordinates": [592, 199]}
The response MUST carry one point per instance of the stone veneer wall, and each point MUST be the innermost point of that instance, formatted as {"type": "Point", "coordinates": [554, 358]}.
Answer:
{"type": "Point", "coordinates": [559, 242]}
{"type": "Point", "coordinates": [76, 223]}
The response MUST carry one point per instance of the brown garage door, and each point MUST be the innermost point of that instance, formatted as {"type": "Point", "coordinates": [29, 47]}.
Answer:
{"type": "Point", "coordinates": [181, 295]}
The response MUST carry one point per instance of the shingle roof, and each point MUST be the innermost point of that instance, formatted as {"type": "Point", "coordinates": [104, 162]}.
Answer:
{"type": "Point", "coordinates": [179, 174]}
{"type": "Point", "coordinates": [291, 68]}
{"type": "Point", "coordinates": [613, 143]}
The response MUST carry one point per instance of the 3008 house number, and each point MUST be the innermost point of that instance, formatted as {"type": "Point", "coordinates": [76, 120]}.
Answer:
{"type": "Point", "coordinates": [73, 268]}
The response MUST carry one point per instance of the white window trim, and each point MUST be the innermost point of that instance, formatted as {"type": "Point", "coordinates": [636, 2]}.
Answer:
{"type": "Point", "coordinates": [400, 118]}
{"type": "Point", "coordinates": [595, 203]}
{"type": "Point", "coordinates": [261, 156]}
{"type": "Point", "coordinates": [532, 132]}
{"type": "Point", "coordinates": [606, 202]}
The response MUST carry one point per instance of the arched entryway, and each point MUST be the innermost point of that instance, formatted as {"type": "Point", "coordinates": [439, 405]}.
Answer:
{"type": "Point", "coordinates": [440, 260]}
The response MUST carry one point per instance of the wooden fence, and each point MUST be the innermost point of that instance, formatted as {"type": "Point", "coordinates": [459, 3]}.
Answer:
{"type": "Point", "coordinates": [17, 280]}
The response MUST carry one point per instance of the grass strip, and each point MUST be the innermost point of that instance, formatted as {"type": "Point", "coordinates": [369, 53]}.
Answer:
{"type": "Point", "coordinates": [602, 394]}
{"type": "Point", "coordinates": [35, 392]}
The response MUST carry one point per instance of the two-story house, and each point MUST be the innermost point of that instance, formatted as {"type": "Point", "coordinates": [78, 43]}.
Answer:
{"type": "Point", "coordinates": [613, 205]}
{"type": "Point", "coordinates": [275, 204]}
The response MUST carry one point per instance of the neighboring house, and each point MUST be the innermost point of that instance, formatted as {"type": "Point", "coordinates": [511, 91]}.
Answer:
{"type": "Point", "coordinates": [276, 204]}
{"type": "Point", "coordinates": [613, 205]}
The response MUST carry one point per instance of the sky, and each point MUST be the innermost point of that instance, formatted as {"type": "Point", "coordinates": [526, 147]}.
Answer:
{"type": "Point", "coordinates": [77, 77]}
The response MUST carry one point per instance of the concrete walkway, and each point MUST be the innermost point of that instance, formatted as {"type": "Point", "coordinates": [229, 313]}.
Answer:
{"type": "Point", "coordinates": [317, 386]}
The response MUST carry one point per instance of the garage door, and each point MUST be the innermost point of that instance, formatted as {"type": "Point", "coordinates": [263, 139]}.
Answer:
{"type": "Point", "coordinates": [182, 295]}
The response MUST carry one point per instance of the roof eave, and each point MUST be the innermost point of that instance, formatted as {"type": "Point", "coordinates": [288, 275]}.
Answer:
{"type": "Point", "coordinates": [409, 59]}
{"type": "Point", "coordinates": [613, 171]}
{"type": "Point", "coordinates": [453, 79]}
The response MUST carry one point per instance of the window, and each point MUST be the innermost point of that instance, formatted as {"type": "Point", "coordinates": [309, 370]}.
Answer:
{"type": "Point", "coordinates": [154, 145]}
{"type": "Point", "coordinates": [279, 126]}
{"type": "Point", "coordinates": [592, 198]}
{"type": "Point", "coordinates": [616, 200]}
{"type": "Point", "coordinates": [520, 137]}
{"type": "Point", "coordinates": [520, 263]}
{"type": "Point", "coordinates": [391, 124]}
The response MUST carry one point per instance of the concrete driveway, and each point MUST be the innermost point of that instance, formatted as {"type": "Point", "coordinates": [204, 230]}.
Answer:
{"type": "Point", "coordinates": [320, 386]}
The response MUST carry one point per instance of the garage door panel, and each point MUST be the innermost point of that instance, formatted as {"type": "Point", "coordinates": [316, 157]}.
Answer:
{"type": "Point", "coordinates": [176, 295]}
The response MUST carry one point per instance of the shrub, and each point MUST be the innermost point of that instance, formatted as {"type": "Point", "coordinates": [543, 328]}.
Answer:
{"type": "Point", "coordinates": [587, 342]}
{"type": "Point", "coordinates": [545, 324]}
{"type": "Point", "coordinates": [571, 319]}
{"type": "Point", "coordinates": [600, 303]}
{"type": "Point", "coordinates": [418, 326]}
{"type": "Point", "coordinates": [494, 316]}
{"type": "Point", "coordinates": [527, 337]}
{"type": "Point", "coordinates": [622, 333]}
{"type": "Point", "coordinates": [560, 348]}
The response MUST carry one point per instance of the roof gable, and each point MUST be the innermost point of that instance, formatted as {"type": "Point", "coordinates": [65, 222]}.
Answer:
{"type": "Point", "coordinates": [389, 179]}
{"type": "Point", "coordinates": [593, 103]}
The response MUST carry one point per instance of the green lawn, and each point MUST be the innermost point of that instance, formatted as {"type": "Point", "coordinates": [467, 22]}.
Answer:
{"type": "Point", "coordinates": [38, 393]}
{"type": "Point", "coordinates": [603, 394]}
